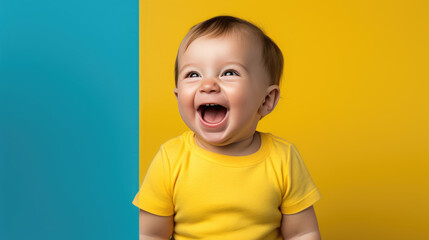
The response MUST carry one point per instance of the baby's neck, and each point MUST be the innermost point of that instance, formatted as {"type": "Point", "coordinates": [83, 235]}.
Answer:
{"type": "Point", "coordinates": [244, 147]}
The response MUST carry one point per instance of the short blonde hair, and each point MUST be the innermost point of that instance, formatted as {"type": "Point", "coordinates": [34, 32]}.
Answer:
{"type": "Point", "coordinates": [221, 25]}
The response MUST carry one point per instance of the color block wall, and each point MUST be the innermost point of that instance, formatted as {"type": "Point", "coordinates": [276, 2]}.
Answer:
{"type": "Point", "coordinates": [68, 119]}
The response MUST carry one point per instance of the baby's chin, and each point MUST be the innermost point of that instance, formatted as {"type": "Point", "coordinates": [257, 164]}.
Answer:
{"type": "Point", "coordinates": [212, 139]}
{"type": "Point", "coordinates": [221, 140]}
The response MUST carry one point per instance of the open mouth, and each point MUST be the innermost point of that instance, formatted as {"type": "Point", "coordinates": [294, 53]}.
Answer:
{"type": "Point", "coordinates": [212, 113]}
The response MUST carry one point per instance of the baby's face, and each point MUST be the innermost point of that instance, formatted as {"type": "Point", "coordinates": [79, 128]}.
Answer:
{"type": "Point", "coordinates": [221, 85]}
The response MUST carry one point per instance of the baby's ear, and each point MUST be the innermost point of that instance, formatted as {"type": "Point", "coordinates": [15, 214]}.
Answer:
{"type": "Point", "coordinates": [175, 92]}
{"type": "Point", "coordinates": [271, 98]}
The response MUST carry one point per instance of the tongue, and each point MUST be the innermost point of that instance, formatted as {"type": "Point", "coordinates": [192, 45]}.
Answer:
{"type": "Point", "coordinates": [214, 114]}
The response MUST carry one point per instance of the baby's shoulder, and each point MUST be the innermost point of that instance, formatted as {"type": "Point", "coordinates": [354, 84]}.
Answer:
{"type": "Point", "coordinates": [176, 146]}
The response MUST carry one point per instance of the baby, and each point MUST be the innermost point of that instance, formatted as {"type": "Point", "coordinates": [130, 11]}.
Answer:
{"type": "Point", "coordinates": [223, 179]}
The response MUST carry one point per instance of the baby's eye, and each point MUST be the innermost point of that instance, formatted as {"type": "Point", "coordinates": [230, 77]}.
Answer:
{"type": "Point", "coordinates": [192, 75]}
{"type": "Point", "coordinates": [230, 73]}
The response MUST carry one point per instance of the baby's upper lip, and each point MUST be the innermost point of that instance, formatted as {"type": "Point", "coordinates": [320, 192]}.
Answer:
{"type": "Point", "coordinates": [212, 102]}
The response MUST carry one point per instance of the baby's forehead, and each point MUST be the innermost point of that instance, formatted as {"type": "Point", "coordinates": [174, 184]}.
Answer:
{"type": "Point", "coordinates": [241, 45]}
{"type": "Point", "coordinates": [239, 31]}
{"type": "Point", "coordinates": [231, 47]}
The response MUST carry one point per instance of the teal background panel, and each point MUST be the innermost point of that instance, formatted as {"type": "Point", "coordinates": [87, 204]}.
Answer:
{"type": "Point", "coordinates": [68, 119]}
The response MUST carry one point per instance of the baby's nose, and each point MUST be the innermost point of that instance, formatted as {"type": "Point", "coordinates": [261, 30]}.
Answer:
{"type": "Point", "coordinates": [209, 85]}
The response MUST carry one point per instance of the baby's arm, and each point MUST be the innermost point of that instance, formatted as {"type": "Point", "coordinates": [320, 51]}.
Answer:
{"type": "Point", "coordinates": [300, 226]}
{"type": "Point", "coordinates": [154, 227]}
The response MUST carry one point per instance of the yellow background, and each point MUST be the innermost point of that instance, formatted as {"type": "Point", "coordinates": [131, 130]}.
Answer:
{"type": "Point", "coordinates": [354, 101]}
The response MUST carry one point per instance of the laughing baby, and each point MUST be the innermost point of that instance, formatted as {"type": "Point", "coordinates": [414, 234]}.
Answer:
{"type": "Point", "coordinates": [223, 179]}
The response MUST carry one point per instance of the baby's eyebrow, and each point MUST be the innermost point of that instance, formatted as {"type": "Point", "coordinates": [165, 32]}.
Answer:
{"type": "Point", "coordinates": [239, 64]}
{"type": "Point", "coordinates": [185, 66]}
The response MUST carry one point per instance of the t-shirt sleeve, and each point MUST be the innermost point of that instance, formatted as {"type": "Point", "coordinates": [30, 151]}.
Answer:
{"type": "Point", "coordinates": [301, 192]}
{"type": "Point", "coordinates": [155, 194]}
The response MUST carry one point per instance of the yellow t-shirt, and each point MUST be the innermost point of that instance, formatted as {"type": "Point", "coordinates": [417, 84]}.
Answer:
{"type": "Point", "coordinates": [214, 196]}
